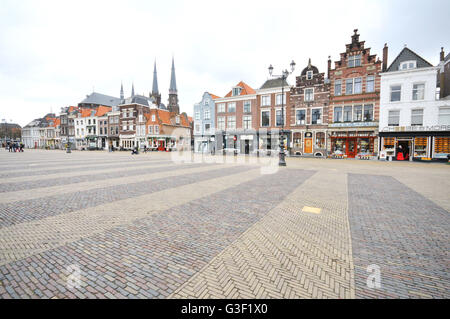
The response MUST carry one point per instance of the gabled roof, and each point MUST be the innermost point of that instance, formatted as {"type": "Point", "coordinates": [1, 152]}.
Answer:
{"type": "Point", "coordinates": [86, 112]}
{"type": "Point", "coordinates": [213, 96]}
{"type": "Point", "coordinates": [102, 110]}
{"type": "Point", "coordinates": [246, 89]}
{"type": "Point", "coordinates": [274, 83]}
{"type": "Point", "coordinates": [407, 55]}
{"type": "Point", "coordinates": [101, 99]}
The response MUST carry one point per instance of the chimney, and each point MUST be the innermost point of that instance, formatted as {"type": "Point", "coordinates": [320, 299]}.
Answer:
{"type": "Point", "coordinates": [329, 66]}
{"type": "Point", "coordinates": [385, 57]}
{"type": "Point", "coordinates": [442, 57]}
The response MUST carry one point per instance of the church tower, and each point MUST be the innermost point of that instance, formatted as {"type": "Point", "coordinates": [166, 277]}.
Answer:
{"type": "Point", "coordinates": [173, 93]}
{"type": "Point", "coordinates": [155, 91]}
{"type": "Point", "coordinates": [121, 92]}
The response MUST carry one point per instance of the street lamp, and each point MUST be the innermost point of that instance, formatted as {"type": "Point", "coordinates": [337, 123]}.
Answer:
{"type": "Point", "coordinates": [67, 128]}
{"type": "Point", "coordinates": [283, 77]}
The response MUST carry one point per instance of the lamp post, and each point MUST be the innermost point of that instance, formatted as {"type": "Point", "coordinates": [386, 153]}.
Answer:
{"type": "Point", "coordinates": [283, 77]}
{"type": "Point", "coordinates": [68, 141]}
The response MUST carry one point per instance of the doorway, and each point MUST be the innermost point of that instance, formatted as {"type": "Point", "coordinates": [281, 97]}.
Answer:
{"type": "Point", "coordinates": [351, 147]}
{"type": "Point", "coordinates": [308, 145]}
{"type": "Point", "coordinates": [161, 146]}
{"type": "Point", "coordinates": [403, 147]}
{"type": "Point", "coordinates": [246, 147]}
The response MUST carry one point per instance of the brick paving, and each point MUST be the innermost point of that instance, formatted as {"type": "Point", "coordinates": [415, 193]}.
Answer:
{"type": "Point", "coordinates": [142, 227]}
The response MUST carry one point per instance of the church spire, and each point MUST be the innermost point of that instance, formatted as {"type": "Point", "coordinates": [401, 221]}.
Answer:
{"type": "Point", "coordinates": [121, 91]}
{"type": "Point", "coordinates": [155, 89]}
{"type": "Point", "coordinates": [173, 82]}
{"type": "Point", "coordinates": [132, 90]}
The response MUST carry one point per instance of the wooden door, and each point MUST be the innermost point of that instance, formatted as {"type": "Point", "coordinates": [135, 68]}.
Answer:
{"type": "Point", "coordinates": [351, 147]}
{"type": "Point", "coordinates": [308, 145]}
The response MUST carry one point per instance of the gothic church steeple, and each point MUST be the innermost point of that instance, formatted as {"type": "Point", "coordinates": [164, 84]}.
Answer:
{"type": "Point", "coordinates": [173, 93]}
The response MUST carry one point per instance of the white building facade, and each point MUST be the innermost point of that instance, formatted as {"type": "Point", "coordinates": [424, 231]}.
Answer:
{"type": "Point", "coordinates": [414, 123]}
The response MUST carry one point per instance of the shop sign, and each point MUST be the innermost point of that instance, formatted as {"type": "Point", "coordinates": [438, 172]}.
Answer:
{"type": "Point", "coordinates": [353, 124]}
{"type": "Point", "coordinates": [416, 128]}
{"type": "Point", "coordinates": [246, 137]}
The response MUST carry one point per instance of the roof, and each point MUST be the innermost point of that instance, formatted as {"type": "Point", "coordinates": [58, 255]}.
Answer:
{"type": "Point", "coordinates": [86, 112]}
{"type": "Point", "coordinates": [310, 67]}
{"type": "Point", "coordinates": [246, 89]}
{"type": "Point", "coordinates": [406, 55]}
{"type": "Point", "coordinates": [102, 110]}
{"type": "Point", "coordinates": [101, 99]}
{"type": "Point", "coordinates": [274, 83]}
{"type": "Point", "coordinates": [213, 96]}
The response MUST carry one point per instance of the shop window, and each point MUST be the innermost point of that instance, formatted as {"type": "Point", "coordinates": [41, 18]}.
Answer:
{"type": "Point", "coordinates": [365, 145]}
{"type": "Point", "coordinates": [420, 147]}
{"type": "Point", "coordinates": [389, 142]}
{"type": "Point", "coordinates": [339, 146]}
{"type": "Point", "coordinates": [320, 140]}
{"type": "Point", "coordinates": [442, 145]}
{"type": "Point", "coordinates": [297, 140]}
{"type": "Point", "coordinates": [417, 117]}
{"type": "Point", "coordinates": [357, 113]}
{"type": "Point", "coordinates": [394, 118]}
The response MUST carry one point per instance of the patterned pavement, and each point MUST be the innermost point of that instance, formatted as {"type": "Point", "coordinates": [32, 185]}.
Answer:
{"type": "Point", "coordinates": [122, 226]}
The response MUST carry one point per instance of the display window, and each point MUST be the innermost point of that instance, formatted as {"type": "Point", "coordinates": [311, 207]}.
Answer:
{"type": "Point", "coordinates": [420, 147]}
{"type": "Point", "coordinates": [442, 145]}
{"type": "Point", "coordinates": [320, 140]}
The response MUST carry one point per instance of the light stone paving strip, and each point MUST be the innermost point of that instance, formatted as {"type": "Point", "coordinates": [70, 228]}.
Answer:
{"type": "Point", "coordinates": [152, 256]}
{"type": "Point", "coordinates": [161, 172]}
{"type": "Point", "coordinates": [407, 237]}
{"type": "Point", "coordinates": [13, 181]}
{"type": "Point", "coordinates": [25, 211]}
{"type": "Point", "coordinates": [64, 167]}
{"type": "Point", "coordinates": [26, 239]}
{"type": "Point", "coordinates": [288, 253]}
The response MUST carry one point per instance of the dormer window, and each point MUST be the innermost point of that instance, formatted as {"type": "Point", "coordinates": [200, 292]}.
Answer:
{"type": "Point", "coordinates": [236, 91]}
{"type": "Point", "coordinates": [177, 120]}
{"type": "Point", "coordinates": [408, 65]}
{"type": "Point", "coordinates": [354, 60]}
{"type": "Point", "coordinates": [309, 75]}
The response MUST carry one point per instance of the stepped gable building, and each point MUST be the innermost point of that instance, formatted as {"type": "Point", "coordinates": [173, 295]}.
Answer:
{"type": "Point", "coordinates": [414, 118]}
{"type": "Point", "coordinates": [235, 119]}
{"type": "Point", "coordinates": [354, 100]}
{"type": "Point", "coordinates": [309, 111]}
{"type": "Point", "coordinates": [269, 116]}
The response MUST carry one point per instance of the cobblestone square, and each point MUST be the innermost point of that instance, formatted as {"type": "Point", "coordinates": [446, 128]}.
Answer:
{"type": "Point", "coordinates": [113, 225]}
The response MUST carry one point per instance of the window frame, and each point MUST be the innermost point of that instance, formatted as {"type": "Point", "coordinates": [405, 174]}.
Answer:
{"type": "Point", "coordinates": [413, 115]}
{"type": "Point", "coordinates": [261, 118]}
{"type": "Point", "coordinates": [392, 91]}
{"type": "Point", "coordinates": [396, 116]}
{"type": "Point", "coordinates": [311, 94]}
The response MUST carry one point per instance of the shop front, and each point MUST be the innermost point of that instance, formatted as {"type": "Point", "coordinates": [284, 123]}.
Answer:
{"type": "Point", "coordinates": [309, 143]}
{"type": "Point", "coordinates": [415, 143]}
{"type": "Point", "coordinates": [161, 143]}
{"type": "Point", "coordinates": [269, 141]}
{"type": "Point", "coordinates": [353, 144]}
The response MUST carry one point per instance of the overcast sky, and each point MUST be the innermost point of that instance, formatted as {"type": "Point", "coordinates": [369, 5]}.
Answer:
{"type": "Point", "coordinates": [54, 53]}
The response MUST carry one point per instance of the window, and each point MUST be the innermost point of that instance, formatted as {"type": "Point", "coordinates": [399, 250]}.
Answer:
{"type": "Point", "coordinates": [444, 115]}
{"type": "Point", "coordinates": [338, 87]}
{"type": "Point", "coordinates": [236, 91]}
{"type": "Point", "coordinates": [396, 91]}
{"type": "Point", "coordinates": [232, 107]}
{"type": "Point", "coordinates": [124, 126]}
{"type": "Point", "coordinates": [141, 118]}
{"type": "Point", "coordinates": [247, 106]}
{"type": "Point", "coordinates": [221, 123]}
{"type": "Point", "coordinates": [207, 115]}
{"type": "Point", "coordinates": [278, 99]}
{"type": "Point", "coordinates": [89, 122]}
{"type": "Point", "coordinates": [347, 113]}
{"type": "Point", "coordinates": [206, 102]}
{"type": "Point", "coordinates": [309, 94]}
{"type": "Point", "coordinates": [358, 85]}
{"type": "Point", "coordinates": [112, 130]}
{"type": "Point", "coordinates": [177, 119]}
{"type": "Point", "coordinates": [150, 129]}
{"type": "Point", "coordinates": [197, 128]}
{"type": "Point", "coordinates": [337, 114]}
{"type": "Point", "coordinates": [156, 129]}
{"type": "Point", "coordinates": [265, 118]}
{"type": "Point", "coordinates": [231, 122]}
{"type": "Point", "coordinates": [300, 117]}
{"type": "Point", "coordinates": [153, 117]}
{"type": "Point", "coordinates": [309, 75]}
{"type": "Point", "coordinates": [354, 60]}
{"type": "Point", "coordinates": [265, 100]}
{"type": "Point", "coordinates": [101, 131]}
{"type": "Point", "coordinates": [221, 108]}
{"type": "Point", "coordinates": [417, 117]}
{"type": "Point", "coordinates": [407, 65]}
{"type": "Point", "coordinates": [370, 83]}
{"type": "Point", "coordinates": [207, 128]}
{"type": "Point", "coordinates": [316, 116]}
{"type": "Point", "coordinates": [279, 121]}
{"type": "Point", "coordinates": [197, 115]}
{"type": "Point", "coordinates": [320, 140]}
{"type": "Point", "coordinates": [368, 113]}
{"type": "Point", "coordinates": [349, 86]}
{"type": "Point", "coordinates": [357, 113]}
{"type": "Point", "coordinates": [418, 92]}
{"type": "Point", "coordinates": [393, 118]}
{"type": "Point", "coordinates": [93, 121]}
{"type": "Point", "coordinates": [247, 122]}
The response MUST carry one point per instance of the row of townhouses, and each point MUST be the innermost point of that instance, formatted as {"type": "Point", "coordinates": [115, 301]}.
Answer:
{"type": "Point", "coordinates": [106, 122]}
{"type": "Point", "coordinates": [362, 108]}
